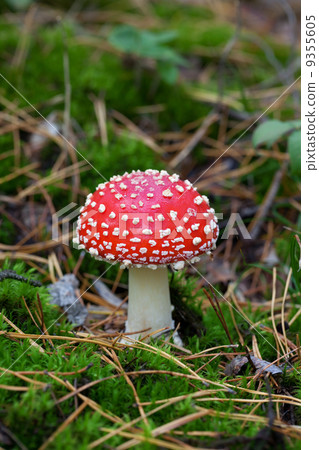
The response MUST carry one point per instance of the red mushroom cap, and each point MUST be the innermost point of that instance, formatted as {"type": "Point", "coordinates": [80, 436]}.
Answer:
{"type": "Point", "coordinates": [147, 218]}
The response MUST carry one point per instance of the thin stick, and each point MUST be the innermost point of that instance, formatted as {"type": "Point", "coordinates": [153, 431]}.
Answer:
{"type": "Point", "coordinates": [272, 311]}
{"type": "Point", "coordinates": [283, 309]}
{"type": "Point", "coordinates": [262, 212]}
{"type": "Point", "coordinates": [202, 130]}
{"type": "Point", "coordinates": [218, 312]}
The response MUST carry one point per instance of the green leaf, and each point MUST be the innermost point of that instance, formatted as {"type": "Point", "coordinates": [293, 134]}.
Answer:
{"type": "Point", "coordinates": [271, 131]}
{"type": "Point", "coordinates": [167, 71]}
{"type": "Point", "coordinates": [295, 123]}
{"type": "Point", "coordinates": [144, 43]}
{"type": "Point", "coordinates": [161, 37]}
{"type": "Point", "coordinates": [125, 38]}
{"type": "Point", "coordinates": [294, 150]}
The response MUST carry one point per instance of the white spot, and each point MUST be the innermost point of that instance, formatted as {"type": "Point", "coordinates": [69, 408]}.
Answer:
{"type": "Point", "coordinates": [167, 193]}
{"type": "Point", "coordinates": [136, 220]}
{"type": "Point", "coordinates": [118, 196]}
{"type": "Point", "coordinates": [197, 240]}
{"type": "Point", "coordinates": [198, 200]}
{"type": "Point", "coordinates": [93, 251]}
{"type": "Point", "coordinates": [207, 229]}
{"type": "Point", "coordinates": [135, 239]}
{"type": "Point", "coordinates": [150, 195]}
{"type": "Point", "coordinates": [213, 224]}
{"type": "Point", "coordinates": [122, 205]}
{"type": "Point", "coordinates": [143, 250]}
{"type": "Point", "coordinates": [195, 260]}
{"type": "Point", "coordinates": [152, 243]}
{"type": "Point", "coordinates": [124, 217]}
{"type": "Point", "coordinates": [179, 247]}
{"type": "Point", "coordinates": [179, 229]}
{"type": "Point", "coordinates": [178, 265]}
{"type": "Point", "coordinates": [125, 233]}
{"type": "Point", "coordinates": [101, 208]}
{"type": "Point", "coordinates": [116, 232]}
{"type": "Point", "coordinates": [195, 226]}
{"type": "Point", "coordinates": [166, 232]}
{"type": "Point", "coordinates": [104, 225]}
{"type": "Point", "coordinates": [179, 239]}
{"type": "Point", "coordinates": [123, 186]}
{"type": "Point", "coordinates": [126, 263]}
{"type": "Point", "coordinates": [155, 206]}
{"type": "Point", "coordinates": [133, 195]}
{"type": "Point", "coordinates": [105, 233]}
{"type": "Point", "coordinates": [179, 188]}
{"type": "Point", "coordinates": [173, 214]}
{"type": "Point", "coordinates": [173, 178]}
{"type": "Point", "coordinates": [160, 217]}
{"type": "Point", "coordinates": [191, 212]}
{"type": "Point", "coordinates": [112, 215]}
{"type": "Point", "coordinates": [92, 224]}
{"type": "Point", "coordinates": [147, 231]}
{"type": "Point", "coordinates": [150, 219]}
{"type": "Point", "coordinates": [133, 206]}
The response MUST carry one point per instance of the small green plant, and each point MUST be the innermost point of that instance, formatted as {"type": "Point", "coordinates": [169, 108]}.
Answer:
{"type": "Point", "coordinates": [147, 44]}
{"type": "Point", "coordinates": [272, 131]}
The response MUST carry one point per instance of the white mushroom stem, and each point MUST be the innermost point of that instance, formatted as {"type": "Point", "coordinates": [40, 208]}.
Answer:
{"type": "Point", "coordinates": [149, 301]}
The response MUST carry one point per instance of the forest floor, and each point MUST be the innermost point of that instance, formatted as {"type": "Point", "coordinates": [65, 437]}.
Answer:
{"type": "Point", "coordinates": [209, 90]}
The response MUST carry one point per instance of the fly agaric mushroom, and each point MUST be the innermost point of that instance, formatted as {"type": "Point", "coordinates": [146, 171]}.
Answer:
{"type": "Point", "coordinates": [147, 220]}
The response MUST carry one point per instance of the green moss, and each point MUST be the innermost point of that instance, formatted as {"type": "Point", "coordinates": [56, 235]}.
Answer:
{"type": "Point", "coordinates": [12, 293]}
{"type": "Point", "coordinates": [33, 415]}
